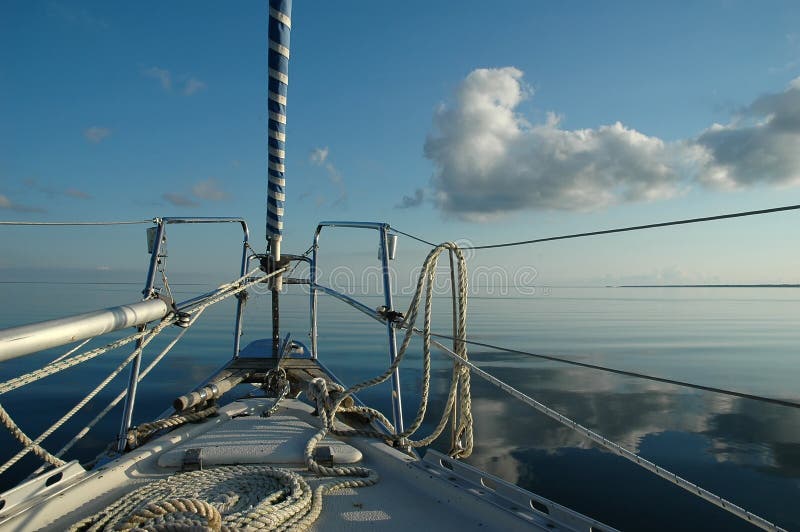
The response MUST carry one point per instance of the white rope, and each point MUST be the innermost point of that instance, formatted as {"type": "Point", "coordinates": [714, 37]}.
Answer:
{"type": "Point", "coordinates": [55, 426]}
{"type": "Point", "coordinates": [68, 353]}
{"type": "Point", "coordinates": [33, 445]}
{"type": "Point", "coordinates": [615, 447]}
{"type": "Point", "coordinates": [23, 438]}
{"type": "Point", "coordinates": [61, 365]}
{"type": "Point", "coordinates": [52, 369]}
{"type": "Point", "coordinates": [227, 290]}
{"type": "Point", "coordinates": [223, 498]}
{"type": "Point", "coordinates": [139, 435]}
{"type": "Point", "coordinates": [85, 430]}
{"type": "Point", "coordinates": [460, 380]}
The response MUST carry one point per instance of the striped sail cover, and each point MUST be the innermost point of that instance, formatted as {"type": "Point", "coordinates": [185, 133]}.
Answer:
{"type": "Point", "coordinates": [278, 58]}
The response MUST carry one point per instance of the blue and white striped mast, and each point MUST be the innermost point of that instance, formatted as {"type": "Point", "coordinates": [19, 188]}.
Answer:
{"type": "Point", "coordinates": [280, 25]}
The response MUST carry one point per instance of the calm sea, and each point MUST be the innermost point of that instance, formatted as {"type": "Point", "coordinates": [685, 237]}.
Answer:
{"type": "Point", "coordinates": [746, 339]}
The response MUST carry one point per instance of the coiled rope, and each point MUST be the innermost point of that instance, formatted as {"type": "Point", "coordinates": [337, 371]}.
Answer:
{"type": "Point", "coordinates": [224, 498]}
{"type": "Point", "coordinates": [208, 498]}
{"type": "Point", "coordinates": [459, 385]}
{"type": "Point", "coordinates": [319, 394]}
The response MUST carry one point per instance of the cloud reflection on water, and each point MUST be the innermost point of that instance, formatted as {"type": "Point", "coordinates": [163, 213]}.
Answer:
{"type": "Point", "coordinates": [741, 431]}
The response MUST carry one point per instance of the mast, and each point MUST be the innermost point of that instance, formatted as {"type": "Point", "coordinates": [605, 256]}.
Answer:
{"type": "Point", "coordinates": [280, 25]}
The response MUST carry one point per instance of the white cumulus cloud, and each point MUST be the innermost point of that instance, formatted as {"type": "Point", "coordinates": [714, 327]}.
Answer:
{"type": "Point", "coordinates": [490, 160]}
{"type": "Point", "coordinates": [761, 145]}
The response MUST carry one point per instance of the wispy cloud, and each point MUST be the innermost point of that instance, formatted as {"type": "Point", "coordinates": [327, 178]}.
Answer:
{"type": "Point", "coordinates": [7, 204]}
{"type": "Point", "coordinates": [179, 200]}
{"type": "Point", "coordinates": [73, 14]}
{"type": "Point", "coordinates": [161, 74]}
{"type": "Point", "coordinates": [491, 160]}
{"type": "Point", "coordinates": [77, 194]}
{"type": "Point", "coordinates": [208, 189]}
{"type": "Point", "coordinates": [32, 183]}
{"type": "Point", "coordinates": [319, 157]}
{"type": "Point", "coordinates": [96, 134]}
{"type": "Point", "coordinates": [792, 41]}
{"type": "Point", "coordinates": [412, 201]}
{"type": "Point", "coordinates": [187, 85]}
{"type": "Point", "coordinates": [193, 85]}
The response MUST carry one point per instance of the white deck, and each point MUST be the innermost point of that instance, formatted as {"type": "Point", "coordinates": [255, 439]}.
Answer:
{"type": "Point", "coordinates": [410, 493]}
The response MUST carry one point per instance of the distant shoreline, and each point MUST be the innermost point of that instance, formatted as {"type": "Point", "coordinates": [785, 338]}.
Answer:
{"type": "Point", "coordinates": [705, 286]}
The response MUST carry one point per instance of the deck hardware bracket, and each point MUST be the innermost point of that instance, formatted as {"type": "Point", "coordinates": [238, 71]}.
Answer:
{"type": "Point", "coordinates": [324, 455]}
{"type": "Point", "coordinates": [183, 320]}
{"type": "Point", "coordinates": [389, 315]}
{"type": "Point", "coordinates": [192, 460]}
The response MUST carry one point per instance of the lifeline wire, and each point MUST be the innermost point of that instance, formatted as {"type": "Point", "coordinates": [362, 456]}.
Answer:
{"type": "Point", "coordinates": [620, 229]}
{"type": "Point", "coordinates": [131, 222]}
{"type": "Point", "coordinates": [781, 402]}
{"type": "Point", "coordinates": [147, 335]}
{"type": "Point", "coordinates": [366, 310]}
{"type": "Point", "coordinates": [691, 487]}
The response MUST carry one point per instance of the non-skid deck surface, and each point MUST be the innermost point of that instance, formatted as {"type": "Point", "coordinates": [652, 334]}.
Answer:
{"type": "Point", "coordinates": [257, 440]}
{"type": "Point", "coordinates": [407, 497]}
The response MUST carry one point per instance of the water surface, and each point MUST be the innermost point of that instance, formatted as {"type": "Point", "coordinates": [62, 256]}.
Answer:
{"type": "Point", "coordinates": [741, 338]}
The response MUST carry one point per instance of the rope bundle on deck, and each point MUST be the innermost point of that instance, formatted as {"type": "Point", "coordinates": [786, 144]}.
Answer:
{"type": "Point", "coordinates": [223, 498]}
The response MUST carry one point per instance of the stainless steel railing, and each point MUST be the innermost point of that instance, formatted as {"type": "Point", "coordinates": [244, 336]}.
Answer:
{"type": "Point", "coordinates": [384, 247]}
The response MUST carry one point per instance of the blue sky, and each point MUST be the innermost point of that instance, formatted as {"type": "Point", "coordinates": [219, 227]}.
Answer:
{"type": "Point", "coordinates": [495, 122]}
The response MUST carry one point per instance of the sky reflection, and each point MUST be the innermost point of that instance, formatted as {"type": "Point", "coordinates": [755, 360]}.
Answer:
{"type": "Point", "coordinates": [743, 450]}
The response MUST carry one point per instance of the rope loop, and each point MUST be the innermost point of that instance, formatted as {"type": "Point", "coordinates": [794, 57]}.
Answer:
{"type": "Point", "coordinates": [331, 402]}
{"type": "Point", "coordinates": [222, 498]}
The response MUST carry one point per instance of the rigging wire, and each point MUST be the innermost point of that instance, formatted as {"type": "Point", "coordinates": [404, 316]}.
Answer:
{"type": "Point", "coordinates": [128, 222]}
{"type": "Point", "coordinates": [597, 438]}
{"type": "Point", "coordinates": [297, 263]}
{"type": "Point", "coordinates": [418, 239]}
{"type": "Point", "coordinates": [740, 214]}
{"type": "Point", "coordinates": [734, 393]}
